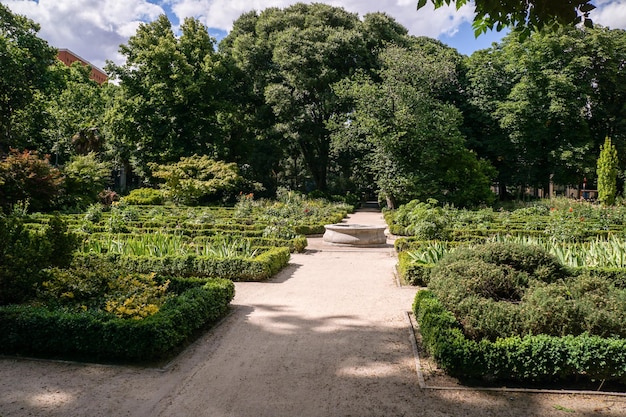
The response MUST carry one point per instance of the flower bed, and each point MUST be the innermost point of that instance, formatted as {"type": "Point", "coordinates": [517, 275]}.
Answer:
{"type": "Point", "coordinates": [96, 335]}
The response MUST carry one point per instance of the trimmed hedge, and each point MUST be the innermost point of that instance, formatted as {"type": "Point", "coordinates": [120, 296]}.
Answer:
{"type": "Point", "coordinates": [411, 272]}
{"type": "Point", "coordinates": [538, 358]}
{"type": "Point", "coordinates": [97, 335]}
{"type": "Point", "coordinates": [263, 266]}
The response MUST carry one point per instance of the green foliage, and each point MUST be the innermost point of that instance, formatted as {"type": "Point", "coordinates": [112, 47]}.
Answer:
{"type": "Point", "coordinates": [25, 74]}
{"type": "Point", "coordinates": [425, 221]}
{"type": "Point", "coordinates": [404, 132]}
{"type": "Point", "coordinates": [26, 176]}
{"type": "Point", "coordinates": [524, 16]}
{"type": "Point", "coordinates": [288, 59]}
{"type": "Point", "coordinates": [171, 96]}
{"type": "Point", "coordinates": [607, 173]}
{"type": "Point", "coordinates": [498, 290]}
{"type": "Point", "coordinates": [24, 256]}
{"type": "Point", "coordinates": [76, 111]}
{"type": "Point", "coordinates": [85, 178]}
{"type": "Point", "coordinates": [537, 109]}
{"type": "Point", "coordinates": [198, 179]}
{"type": "Point", "coordinates": [527, 358]}
{"type": "Point", "coordinates": [144, 196]}
{"type": "Point", "coordinates": [239, 268]}
{"type": "Point", "coordinates": [96, 335]}
{"type": "Point", "coordinates": [412, 272]}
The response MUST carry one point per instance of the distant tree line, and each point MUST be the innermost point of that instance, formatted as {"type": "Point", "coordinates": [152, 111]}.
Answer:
{"type": "Point", "coordinates": [313, 98]}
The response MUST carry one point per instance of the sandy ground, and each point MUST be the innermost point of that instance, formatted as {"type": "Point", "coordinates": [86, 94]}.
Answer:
{"type": "Point", "coordinates": [328, 336]}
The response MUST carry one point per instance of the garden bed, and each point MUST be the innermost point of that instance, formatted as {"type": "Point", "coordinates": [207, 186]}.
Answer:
{"type": "Point", "coordinates": [96, 335]}
{"type": "Point", "coordinates": [449, 359]}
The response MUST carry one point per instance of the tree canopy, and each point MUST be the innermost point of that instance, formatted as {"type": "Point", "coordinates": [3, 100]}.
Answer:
{"type": "Point", "coordinates": [168, 103]}
{"type": "Point", "coordinates": [291, 57]}
{"type": "Point", "coordinates": [314, 98]}
{"type": "Point", "coordinates": [525, 16]}
{"type": "Point", "coordinates": [540, 107]}
{"type": "Point", "coordinates": [25, 70]}
{"type": "Point", "coordinates": [406, 133]}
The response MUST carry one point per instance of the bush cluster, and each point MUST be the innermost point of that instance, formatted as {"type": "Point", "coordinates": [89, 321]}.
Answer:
{"type": "Point", "coordinates": [101, 336]}
{"type": "Point", "coordinates": [423, 220]}
{"type": "Point", "coordinates": [144, 196]}
{"type": "Point", "coordinates": [527, 358]}
{"type": "Point", "coordinates": [496, 290]}
{"type": "Point", "coordinates": [263, 266]}
{"type": "Point", "coordinates": [25, 255]}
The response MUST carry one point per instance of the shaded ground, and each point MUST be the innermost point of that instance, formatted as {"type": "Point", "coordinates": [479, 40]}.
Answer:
{"type": "Point", "coordinates": [328, 336]}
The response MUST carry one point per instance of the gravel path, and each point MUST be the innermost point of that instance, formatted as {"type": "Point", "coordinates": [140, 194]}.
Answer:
{"type": "Point", "coordinates": [328, 336]}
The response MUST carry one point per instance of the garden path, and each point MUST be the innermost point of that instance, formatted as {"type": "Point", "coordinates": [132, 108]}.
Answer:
{"type": "Point", "coordinates": [328, 336]}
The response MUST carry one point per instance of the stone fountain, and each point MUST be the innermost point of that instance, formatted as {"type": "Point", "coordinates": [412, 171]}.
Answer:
{"type": "Point", "coordinates": [354, 234]}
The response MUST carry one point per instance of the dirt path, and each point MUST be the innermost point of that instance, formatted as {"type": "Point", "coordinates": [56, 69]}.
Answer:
{"type": "Point", "coordinates": [328, 336]}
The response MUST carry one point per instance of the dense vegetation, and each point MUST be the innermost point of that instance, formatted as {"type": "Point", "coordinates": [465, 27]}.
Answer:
{"type": "Point", "coordinates": [133, 283]}
{"type": "Point", "coordinates": [314, 99]}
{"type": "Point", "coordinates": [311, 97]}
{"type": "Point", "coordinates": [535, 293]}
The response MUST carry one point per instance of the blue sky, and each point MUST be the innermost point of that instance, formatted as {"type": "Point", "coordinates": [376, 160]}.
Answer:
{"type": "Point", "coordinates": [94, 29]}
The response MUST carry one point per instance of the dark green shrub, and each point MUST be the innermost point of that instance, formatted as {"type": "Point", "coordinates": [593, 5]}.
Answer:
{"type": "Point", "coordinates": [523, 358]}
{"type": "Point", "coordinates": [493, 291]}
{"type": "Point", "coordinates": [584, 303]}
{"type": "Point", "coordinates": [617, 276]}
{"type": "Point", "coordinates": [483, 296]}
{"type": "Point", "coordinates": [411, 272]}
{"type": "Point", "coordinates": [526, 258]}
{"type": "Point", "coordinates": [24, 256]}
{"type": "Point", "coordinates": [96, 335]}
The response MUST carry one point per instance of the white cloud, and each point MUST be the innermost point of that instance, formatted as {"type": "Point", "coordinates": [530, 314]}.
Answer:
{"type": "Point", "coordinates": [610, 13]}
{"type": "Point", "coordinates": [429, 22]}
{"type": "Point", "coordinates": [93, 29]}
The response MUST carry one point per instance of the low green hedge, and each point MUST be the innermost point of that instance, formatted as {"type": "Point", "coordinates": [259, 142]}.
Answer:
{"type": "Point", "coordinates": [263, 266]}
{"type": "Point", "coordinates": [411, 272]}
{"type": "Point", "coordinates": [538, 358]}
{"type": "Point", "coordinates": [98, 336]}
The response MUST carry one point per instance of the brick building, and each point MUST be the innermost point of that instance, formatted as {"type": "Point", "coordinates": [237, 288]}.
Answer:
{"type": "Point", "coordinates": [68, 57]}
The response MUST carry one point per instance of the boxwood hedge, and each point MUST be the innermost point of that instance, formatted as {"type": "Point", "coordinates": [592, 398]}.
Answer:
{"type": "Point", "coordinates": [99, 336]}
{"type": "Point", "coordinates": [538, 358]}
{"type": "Point", "coordinates": [269, 262]}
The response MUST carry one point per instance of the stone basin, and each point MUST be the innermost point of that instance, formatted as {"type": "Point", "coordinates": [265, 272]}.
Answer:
{"type": "Point", "coordinates": [354, 234]}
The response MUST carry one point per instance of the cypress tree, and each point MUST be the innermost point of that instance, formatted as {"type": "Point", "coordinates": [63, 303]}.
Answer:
{"type": "Point", "coordinates": [607, 173]}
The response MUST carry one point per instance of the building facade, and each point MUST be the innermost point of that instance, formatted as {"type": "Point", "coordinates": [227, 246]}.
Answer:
{"type": "Point", "coordinates": [68, 57]}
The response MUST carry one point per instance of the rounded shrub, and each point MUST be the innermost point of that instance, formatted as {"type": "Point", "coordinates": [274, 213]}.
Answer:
{"type": "Point", "coordinates": [499, 290]}
{"type": "Point", "coordinates": [144, 196]}
{"type": "Point", "coordinates": [526, 258]}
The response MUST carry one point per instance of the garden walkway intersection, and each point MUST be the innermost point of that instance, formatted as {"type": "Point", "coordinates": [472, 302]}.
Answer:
{"type": "Point", "coordinates": [328, 336]}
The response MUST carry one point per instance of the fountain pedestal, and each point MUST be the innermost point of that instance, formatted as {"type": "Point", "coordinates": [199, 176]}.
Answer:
{"type": "Point", "coordinates": [354, 234]}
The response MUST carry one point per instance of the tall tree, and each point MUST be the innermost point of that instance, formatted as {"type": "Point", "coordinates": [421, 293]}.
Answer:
{"type": "Point", "coordinates": [76, 114]}
{"type": "Point", "coordinates": [544, 103]}
{"type": "Point", "coordinates": [25, 61]}
{"type": "Point", "coordinates": [291, 57]}
{"type": "Point", "coordinates": [406, 132]}
{"type": "Point", "coordinates": [168, 103]}
{"type": "Point", "coordinates": [607, 173]}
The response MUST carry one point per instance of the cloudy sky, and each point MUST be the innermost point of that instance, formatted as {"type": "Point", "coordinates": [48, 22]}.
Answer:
{"type": "Point", "coordinates": [94, 29]}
